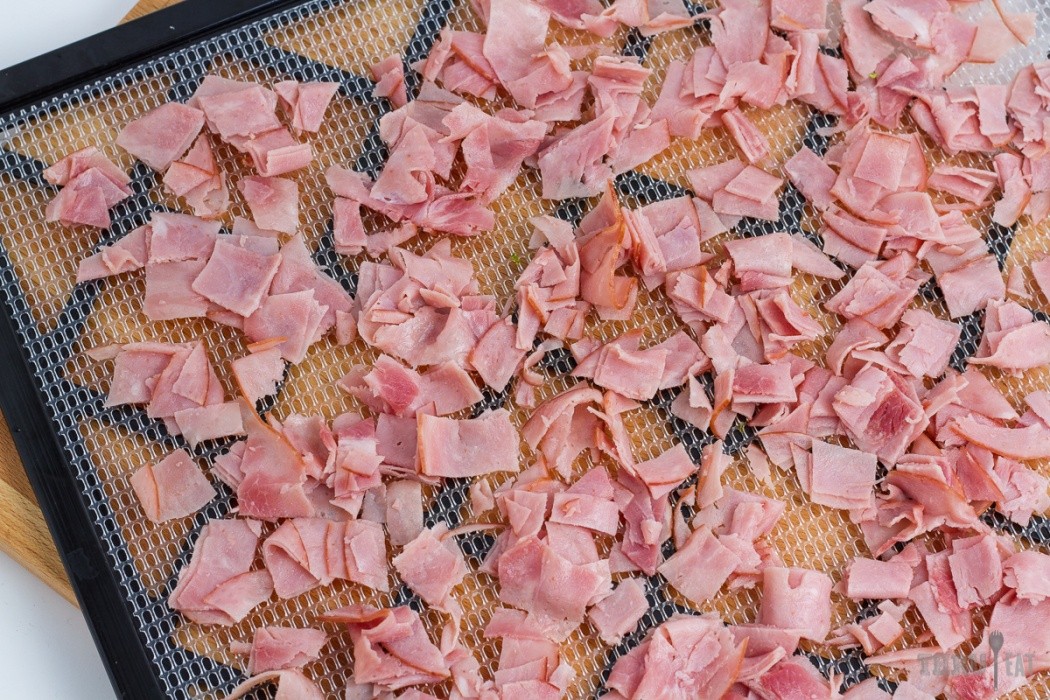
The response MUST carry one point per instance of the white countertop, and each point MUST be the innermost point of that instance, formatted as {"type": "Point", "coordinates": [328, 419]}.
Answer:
{"type": "Point", "coordinates": [46, 650]}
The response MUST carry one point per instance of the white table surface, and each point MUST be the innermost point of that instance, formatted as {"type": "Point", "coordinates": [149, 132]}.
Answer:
{"type": "Point", "coordinates": [46, 650]}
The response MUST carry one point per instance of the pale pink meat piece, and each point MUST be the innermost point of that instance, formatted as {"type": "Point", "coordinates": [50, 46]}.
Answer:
{"type": "Point", "coordinates": [871, 578]}
{"type": "Point", "coordinates": [812, 176]}
{"type": "Point", "coordinates": [238, 109]}
{"type": "Point", "coordinates": [274, 202]}
{"type": "Point", "coordinates": [669, 658]}
{"type": "Point", "coordinates": [432, 565]}
{"type": "Point", "coordinates": [798, 600]}
{"type": "Point", "coordinates": [306, 103]}
{"type": "Point", "coordinates": [198, 179]}
{"type": "Point", "coordinates": [162, 135]}
{"type": "Point", "coordinates": [304, 553]}
{"type": "Point", "coordinates": [292, 684]}
{"type": "Point", "coordinates": [840, 477]}
{"type": "Point", "coordinates": [257, 374]}
{"type": "Point", "coordinates": [391, 647]}
{"type": "Point", "coordinates": [210, 422]}
{"type": "Point", "coordinates": [128, 254]}
{"type": "Point", "coordinates": [274, 474]}
{"type": "Point", "coordinates": [469, 447]}
{"type": "Point", "coordinates": [236, 278]}
{"type": "Point", "coordinates": [495, 357]}
{"type": "Point", "coordinates": [218, 585]}
{"type": "Point", "coordinates": [702, 552]}
{"type": "Point", "coordinates": [1028, 573]}
{"type": "Point", "coordinates": [294, 318]}
{"type": "Point", "coordinates": [619, 613]}
{"type": "Point", "coordinates": [1013, 340]}
{"type": "Point", "coordinates": [172, 488]}
{"type": "Point", "coordinates": [279, 648]}
{"type": "Point", "coordinates": [664, 473]}
{"type": "Point", "coordinates": [404, 511]}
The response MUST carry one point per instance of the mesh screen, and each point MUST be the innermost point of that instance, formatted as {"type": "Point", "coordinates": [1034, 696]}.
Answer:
{"type": "Point", "coordinates": [57, 321]}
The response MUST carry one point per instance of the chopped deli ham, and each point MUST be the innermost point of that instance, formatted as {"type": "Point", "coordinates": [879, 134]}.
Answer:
{"type": "Point", "coordinates": [391, 647]}
{"type": "Point", "coordinates": [798, 600]}
{"type": "Point", "coordinates": [304, 553]}
{"type": "Point", "coordinates": [91, 185]}
{"type": "Point", "coordinates": [619, 613]}
{"type": "Point", "coordinates": [218, 586]}
{"type": "Point", "coordinates": [172, 488]}
{"type": "Point", "coordinates": [306, 103]}
{"type": "Point", "coordinates": [456, 448]}
{"type": "Point", "coordinates": [891, 220]}
{"type": "Point", "coordinates": [432, 565]}
{"type": "Point", "coordinates": [162, 136]}
{"type": "Point", "coordinates": [280, 648]}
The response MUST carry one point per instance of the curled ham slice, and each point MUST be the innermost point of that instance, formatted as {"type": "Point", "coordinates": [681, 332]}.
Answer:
{"type": "Point", "coordinates": [391, 647]}
{"type": "Point", "coordinates": [304, 553]}
{"type": "Point", "coordinates": [306, 103]}
{"type": "Point", "coordinates": [217, 586]}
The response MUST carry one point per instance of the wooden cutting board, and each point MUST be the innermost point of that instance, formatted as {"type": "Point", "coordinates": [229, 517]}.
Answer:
{"type": "Point", "coordinates": [23, 533]}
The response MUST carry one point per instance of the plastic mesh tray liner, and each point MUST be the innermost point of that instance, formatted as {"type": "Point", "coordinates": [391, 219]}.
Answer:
{"type": "Point", "coordinates": [56, 321]}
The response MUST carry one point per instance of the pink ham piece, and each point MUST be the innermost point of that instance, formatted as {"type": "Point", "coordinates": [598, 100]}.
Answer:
{"type": "Point", "coordinates": [495, 357]}
{"type": "Point", "coordinates": [669, 661]}
{"type": "Point", "coordinates": [797, 600]}
{"type": "Point", "coordinates": [91, 185]}
{"type": "Point", "coordinates": [389, 75]}
{"type": "Point", "coordinates": [664, 473]}
{"type": "Point", "coordinates": [432, 565]}
{"type": "Point", "coordinates": [457, 62]}
{"type": "Point", "coordinates": [233, 108]}
{"type": "Point", "coordinates": [304, 553]}
{"type": "Point", "coordinates": [306, 103]}
{"type": "Point", "coordinates": [236, 278]}
{"type": "Point", "coordinates": [1028, 573]}
{"type": "Point", "coordinates": [163, 135]}
{"type": "Point", "coordinates": [280, 648]}
{"type": "Point", "coordinates": [391, 647]}
{"type": "Point", "coordinates": [291, 685]}
{"type": "Point", "coordinates": [878, 292]}
{"type": "Point", "coordinates": [554, 579]}
{"type": "Point", "coordinates": [702, 551]}
{"type": "Point", "coordinates": [839, 477]}
{"type": "Point", "coordinates": [969, 184]}
{"type": "Point", "coordinates": [1013, 340]}
{"type": "Point", "coordinates": [258, 374]}
{"type": "Point", "coordinates": [218, 587]}
{"type": "Point", "coordinates": [880, 412]}
{"type": "Point", "coordinates": [871, 578]}
{"type": "Point", "coordinates": [812, 177]}
{"type": "Point", "coordinates": [210, 422]}
{"type": "Point", "coordinates": [172, 488]}
{"type": "Point", "coordinates": [274, 202]}
{"type": "Point", "coordinates": [274, 474]}
{"type": "Point", "coordinates": [404, 511]}
{"type": "Point", "coordinates": [128, 254]}
{"type": "Point", "coordinates": [619, 613]}
{"type": "Point", "coordinates": [199, 180]}
{"type": "Point", "coordinates": [925, 343]}
{"type": "Point", "coordinates": [275, 152]}
{"type": "Point", "coordinates": [471, 447]}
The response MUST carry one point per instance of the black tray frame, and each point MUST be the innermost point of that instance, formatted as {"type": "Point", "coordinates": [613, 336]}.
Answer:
{"type": "Point", "coordinates": [94, 581]}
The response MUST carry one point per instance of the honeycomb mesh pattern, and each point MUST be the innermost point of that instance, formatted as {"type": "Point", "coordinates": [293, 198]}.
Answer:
{"type": "Point", "coordinates": [330, 40]}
